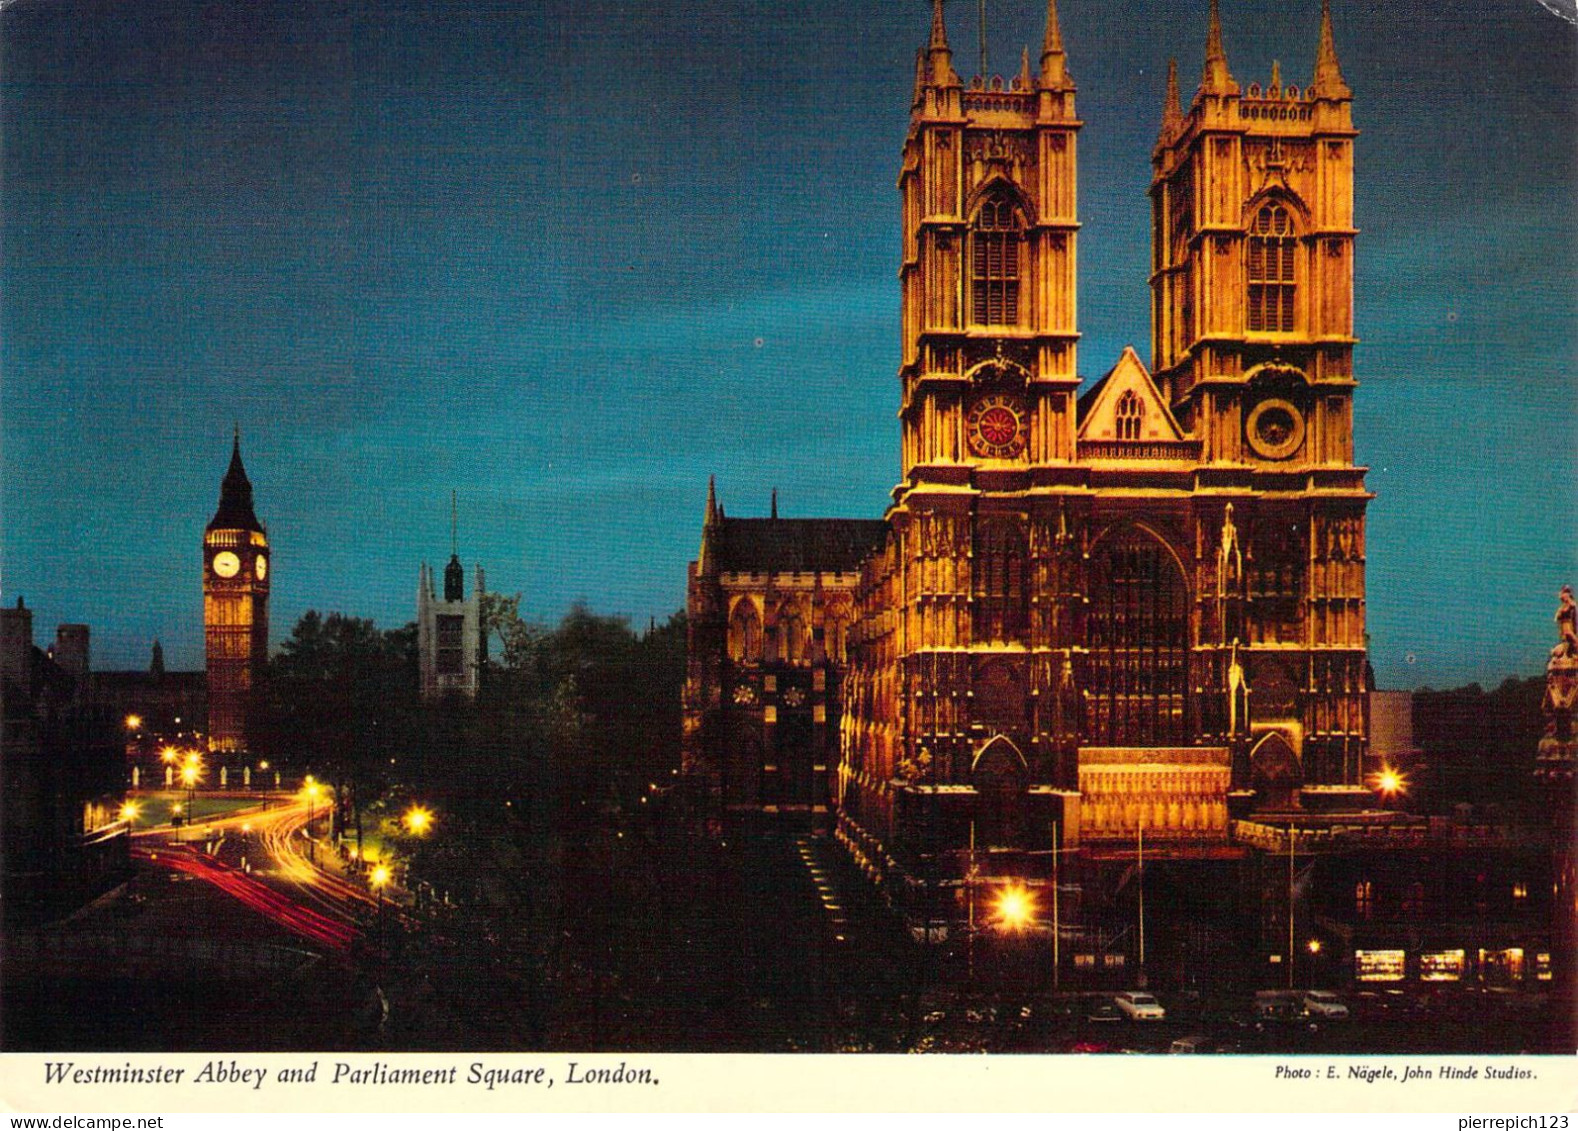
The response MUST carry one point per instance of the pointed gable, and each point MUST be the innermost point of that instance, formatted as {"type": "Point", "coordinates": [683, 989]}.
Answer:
{"type": "Point", "coordinates": [1125, 405]}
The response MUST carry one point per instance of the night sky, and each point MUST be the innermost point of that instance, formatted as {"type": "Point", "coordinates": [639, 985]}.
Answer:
{"type": "Point", "coordinates": [569, 258]}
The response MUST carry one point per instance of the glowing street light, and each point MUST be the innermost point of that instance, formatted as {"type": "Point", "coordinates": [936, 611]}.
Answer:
{"type": "Point", "coordinates": [1015, 909]}
{"type": "Point", "coordinates": [168, 754]}
{"type": "Point", "coordinates": [1389, 783]}
{"type": "Point", "coordinates": [133, 722]}
{"type": "Point", "coordinates": [379, 878]}
{"type": "Point", "coordinates": [1314, 946]}
{"type": "Point", "coordinates": [191, 774]}
{"type": "Point", "coordinates": [313, 789]}
{"type": "Point", "coordinates": [417, 820]}
{"type": "Point", "coordinates": [129, 811]}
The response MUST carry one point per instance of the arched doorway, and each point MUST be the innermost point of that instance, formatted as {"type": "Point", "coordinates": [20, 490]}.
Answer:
{"type": "Point", "coordinates": [1138, 636]}
{"type": "Point", "coordinates": [1000, 776]}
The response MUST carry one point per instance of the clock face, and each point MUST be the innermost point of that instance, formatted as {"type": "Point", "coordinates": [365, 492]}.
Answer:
{"type": "Point", "coordinates": [995, 426]}
{"type": "Point", "coordinates": [1275, 429]}
{"type": "Point", "coordinates": [262, 567]}
{"type": "Point", "coordinates": [226, 564]}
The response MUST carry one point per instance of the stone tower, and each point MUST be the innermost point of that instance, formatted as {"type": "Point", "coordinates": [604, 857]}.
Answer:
{"type": "Point", "coordinates": [1252, 344]}
{"type": "Point", "coordinates": [451, 644]}
{"type": "Point", "coordinates": [236, 582]}
{"type": "Point", "coordinates": [1142, 606]}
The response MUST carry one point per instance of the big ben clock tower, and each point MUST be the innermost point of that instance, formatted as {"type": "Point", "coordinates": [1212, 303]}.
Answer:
{"type": "Point", "coordinates": [235, 605]}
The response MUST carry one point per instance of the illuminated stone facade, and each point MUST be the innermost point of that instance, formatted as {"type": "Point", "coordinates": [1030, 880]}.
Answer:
{"type": "Point", "coordinates": [1137, 607]}
{"type": "Point", "coordinates": [768, 611]}
{"type": "Point", "coordinates": [236, 583]}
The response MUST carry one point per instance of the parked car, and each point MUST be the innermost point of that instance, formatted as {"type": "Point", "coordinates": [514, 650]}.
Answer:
{"type": "Point", "coordinates": [1102, 1010]}
{"type": "Point", "coordinates": [1193, 1043]}
{"type": "Point", "coordinates": [1137, 1005]}
{"type": "Point", "coordinates": [1324, 1003]}
{"type": "Point", "coordinates": [1278, 1005]}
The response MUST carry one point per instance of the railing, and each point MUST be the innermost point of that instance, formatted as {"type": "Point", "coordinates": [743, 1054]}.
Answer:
{"type": "Point", "coordinates": [1187, 450]}
{"type": "Point", "coordinates": [84, 951]}
{"type": "Point", "coordinates": [1436, 832]}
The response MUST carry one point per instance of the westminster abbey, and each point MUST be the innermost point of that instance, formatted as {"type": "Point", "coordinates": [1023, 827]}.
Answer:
{"type": "Point", "coordinates": [1135, 609]}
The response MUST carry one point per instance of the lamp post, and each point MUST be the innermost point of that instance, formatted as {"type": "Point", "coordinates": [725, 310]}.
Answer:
{"type": "Point", "coordinates": [312, 789]}
{"type": "Point", "coordinates": [379, 879]}
{"type": "Point", "coordinates": [191, 773]}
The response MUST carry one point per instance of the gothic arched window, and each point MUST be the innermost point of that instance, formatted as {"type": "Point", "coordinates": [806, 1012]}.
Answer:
{"type": "Point", "coordinates": [1272, 286]}
{"type": "Point", "coordinates": [1131, 414]}
{"type": "Point", "coordinates": [745, 634]}
{"type": "Point", "coordinates": [792, 637]}
{"type": "Point", "coordinates": [994, 262]}
{"type": "Point", "coordinates": [1001, 608]}
{"type": "Point", "coordinates": [1138, 639]}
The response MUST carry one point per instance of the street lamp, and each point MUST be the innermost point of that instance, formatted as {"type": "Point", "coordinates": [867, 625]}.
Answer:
{"type": "Point", "coordinates": [1015, 910]}
{"type": "Point", "coordinates": [129, 811]}
{"type": "Point", "coordinates": [1389, 783]}
{"type": "Point", "coordinates": [379, 879]}
{"type": "Point", "coordinates": [312, 789]}
{"type": "Point", "coordinates": [191, 774]}
{"type": "Point", "coordinates": [417, 820]}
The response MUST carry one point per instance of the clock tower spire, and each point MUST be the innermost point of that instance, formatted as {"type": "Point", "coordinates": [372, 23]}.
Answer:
{"type": "Point", "coordinates": [235, 604]}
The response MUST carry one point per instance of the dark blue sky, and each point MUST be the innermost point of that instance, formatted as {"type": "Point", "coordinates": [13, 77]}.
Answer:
{"type": "Point", "coordinates": [569, 258]}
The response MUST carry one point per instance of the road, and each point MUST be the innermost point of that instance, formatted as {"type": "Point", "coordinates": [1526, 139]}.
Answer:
{"type": "Point", "coordinates": [262, 860]}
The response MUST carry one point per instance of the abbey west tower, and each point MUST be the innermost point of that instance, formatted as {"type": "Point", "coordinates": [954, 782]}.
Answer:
{"type": "Point", "coordinates": [1142, 607]}
{"type": "Point", "coordinates": [235, 605]}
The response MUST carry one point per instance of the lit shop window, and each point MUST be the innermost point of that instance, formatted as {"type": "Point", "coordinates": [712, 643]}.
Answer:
{"type": "Point", "coordinates": [1084, 961]}
{"type": "Point", "coordinates": [1378, 965]}
{"type": "Point", "coordinates": [1442, 966]}
{"type": "Point", "coordinates": [1542, 965]}
{"type": "Point", "coordinates": [1500, 966]}
{"type": "Point", "coordinates": [1113, 960]}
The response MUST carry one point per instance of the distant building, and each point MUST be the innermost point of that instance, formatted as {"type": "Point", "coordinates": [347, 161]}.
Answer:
{"type": "Point", "coordinates": [235, 605]}
{"type": "Point", "coordinates": [62, 841]}
{"type": "Point", "coordinates": [157, 708]}
{"type": "Point", "coordinates": [451, 645]}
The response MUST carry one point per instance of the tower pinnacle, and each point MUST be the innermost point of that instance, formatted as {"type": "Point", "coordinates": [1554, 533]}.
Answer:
{"type": "Point", "coordinates": [1329, 82]}
{"type": "Point", "coordinates": [1172, 110]}
{"type": "Point", "coordinates": [235, 495]}
{"type": "Point", "coordinates": [938, 51]}
{"type": "Point", "coordinates": [1054, 64]}
{"type": "Point", "coordinates": [1217, 78]}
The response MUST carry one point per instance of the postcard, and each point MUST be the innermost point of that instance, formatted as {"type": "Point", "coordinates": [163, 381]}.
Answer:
{"type": "Point", "coordinates": [617, 556]}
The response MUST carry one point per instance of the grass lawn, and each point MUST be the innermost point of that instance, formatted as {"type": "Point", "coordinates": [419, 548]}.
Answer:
{"type": "Point", "coordinates": [156, 808]}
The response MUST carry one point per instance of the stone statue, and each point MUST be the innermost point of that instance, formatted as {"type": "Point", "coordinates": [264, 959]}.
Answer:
{"type": "Point", "coordinates": [1561, 689]}
{"type": "Point", "coordinates": [1237, 687]}
{"type": "Point", "coordinates": [1229, 558]}
{"type": "Point", "coordinates": [1566, 626]}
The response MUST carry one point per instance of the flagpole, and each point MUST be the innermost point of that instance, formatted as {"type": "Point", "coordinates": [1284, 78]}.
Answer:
{"type": "Point", "coordinates": [1142, 896]}
{"type": "Point", "coordinates": [983, 38]}
{"type": "Point", "coordinates": [970, 888]}
{"type": "Point", "coordinates": [1056, 957]}
{"type": "Point", "coordinates": [1290, 906]}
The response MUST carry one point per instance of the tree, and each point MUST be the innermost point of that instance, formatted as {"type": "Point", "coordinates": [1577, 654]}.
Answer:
{"type": "Point", "coordinates": [338, 699]}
